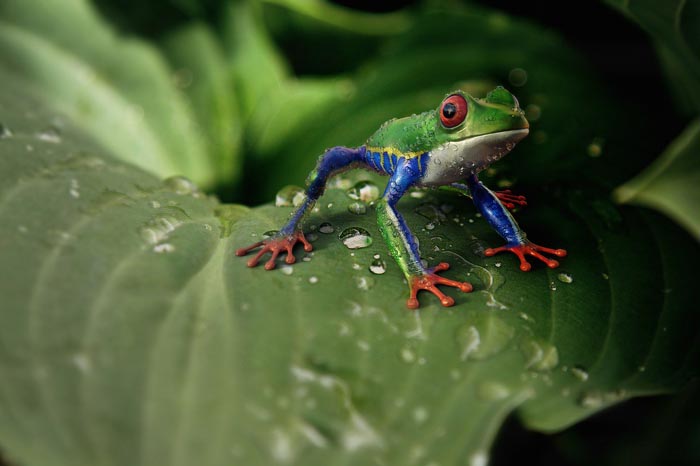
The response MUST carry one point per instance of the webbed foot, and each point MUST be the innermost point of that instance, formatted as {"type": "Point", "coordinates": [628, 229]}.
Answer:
{"type": "Point", "coordinates": [428, 282]}
{"type": "Point", "coordinates": [531, 249]}
{"type": "Point", "coordinates": [510, 200]}
{"type": "Point", "coordinates": [275, 245]}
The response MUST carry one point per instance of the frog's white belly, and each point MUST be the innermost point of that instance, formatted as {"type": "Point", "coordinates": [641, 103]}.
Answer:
{"type": "Point", "coordinates": [455, 161]}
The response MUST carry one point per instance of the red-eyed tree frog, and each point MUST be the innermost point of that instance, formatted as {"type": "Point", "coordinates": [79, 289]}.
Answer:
{"type": "Point", "coordinates": [447, 146]}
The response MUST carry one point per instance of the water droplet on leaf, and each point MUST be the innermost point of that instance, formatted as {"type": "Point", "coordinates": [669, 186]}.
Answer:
{"type": "Point", "coordinates": [326, 228]}
{"type": "Point", "coordinates": [539, 355]}
{"type": "Point", "coordinates": [565, 277]}
{"type": "Point", "coordinates": [163, 248]}
{"type": "Point", "coordinates": [51, 134]}
{"type": "Point", "coordinates": [357, 208]}
{"type": "Point", "coordinates": [580, 373]}
{"type": "Point", "coordinates": [364, 191]}
{"type": "Point", "coordinates": [355, 238]}
{"type": "Point", "coordinates": [378, 266]}
{"type": "Point", "coordinates": [181, 185]}
{"type": "Point", "coordinates": [290, 196]}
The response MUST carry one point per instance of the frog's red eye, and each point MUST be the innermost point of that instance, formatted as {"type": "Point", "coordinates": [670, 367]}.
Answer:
{"type": "Point", "coordinates": [453, 111]}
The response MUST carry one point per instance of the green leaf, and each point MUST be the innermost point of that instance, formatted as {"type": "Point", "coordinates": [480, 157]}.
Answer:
{"type": "Point", "coordinates": [346, 19]}
{"type": "Point", "coordinates": [130, 333]}
{"type": "Point", "coordinates": [118, 89]}
{"type": "Point", "coordinates": [673, 25]}
{"type": "Point", "coordinates": [202, 73]}
{"type": "Point", "coordinates": [671, 184]}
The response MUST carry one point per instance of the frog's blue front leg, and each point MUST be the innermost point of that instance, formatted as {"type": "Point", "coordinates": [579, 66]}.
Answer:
{"type": "Point", "coordinates": [333, 161]}
{"type": "Point", "coordinates": [403, 246]}
{"type": "Point", "coordinates": [497, 215]}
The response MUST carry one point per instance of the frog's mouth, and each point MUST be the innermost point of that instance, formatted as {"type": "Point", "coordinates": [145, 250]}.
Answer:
{"type": "Point", "coordinates": [494, 146]}
{"type": "Point", "coordinates": [456, 160]}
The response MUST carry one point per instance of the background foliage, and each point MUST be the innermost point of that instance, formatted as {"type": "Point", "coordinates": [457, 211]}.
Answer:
{"type": "Point", "coordinates": [131, 334]}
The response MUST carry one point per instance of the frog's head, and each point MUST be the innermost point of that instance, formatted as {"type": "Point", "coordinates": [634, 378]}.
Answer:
{"type": "Point", "coordinates": [480, 131]}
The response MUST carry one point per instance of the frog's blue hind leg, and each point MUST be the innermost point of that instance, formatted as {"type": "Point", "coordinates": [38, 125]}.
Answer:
{"type": "Point", "coordinates": [333, 161]}
{"type": "Point", "coordinates": [401, 242]}
{"type": "Point", "coordinates": [505, 225]}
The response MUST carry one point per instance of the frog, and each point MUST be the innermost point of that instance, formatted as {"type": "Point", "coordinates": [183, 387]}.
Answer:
{"type": "Point", "coordinates": [446, 147]}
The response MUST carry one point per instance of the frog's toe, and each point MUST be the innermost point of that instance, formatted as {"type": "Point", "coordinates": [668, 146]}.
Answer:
{"type": "Point", "coordinates": [429, 281]}
{"type": "Point", "coordinates": [509, 200]}
{"type": "Point", "coordinates": [530, 249]}
{"type": "Point", "coordinates": [276, 245]}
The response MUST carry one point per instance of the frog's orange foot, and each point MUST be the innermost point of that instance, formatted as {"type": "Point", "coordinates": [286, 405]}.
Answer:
{"type": "Point", "coordinates": [276, 245]}
{"type": "Point", "coordinates": [510, 200]}
{"type": "Point", "coordinates": [428, 282]}
{"type": "Point", "coordinates": [531, 249]}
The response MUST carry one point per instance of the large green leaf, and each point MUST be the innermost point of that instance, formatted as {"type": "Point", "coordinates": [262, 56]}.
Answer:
{"type": "Point", "coordinates": [673, 25]}
{"type": "Point", "coordinates": [202, 72]}
{"type": "Point", "coordinates": [130, 333]}
{"type": "Point", "coordinates": [119, 89]}
{"type": "Point", "coordinates": [672, 184]}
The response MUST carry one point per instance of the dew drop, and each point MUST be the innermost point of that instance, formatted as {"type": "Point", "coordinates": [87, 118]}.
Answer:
{"type": "Point", "coordinates": [74, 189]}
{"type": "Point", "coordinates": [565, 277]}
{"type": "Point", "coordinates": [287, 269]}
{"type": "Point", "coordinates": [580, 373]}
{"type": "Point", "coordinates": [364, 283]}
{"type": "Point", "coordinates": [479, 458]}
{"type": "Point", "coordinates": [468, 337]}
{"type": "Point", "coordinates": [82, 362]}
{"type": "Point", "coordinates": [483, 337]}
{"type": "Point", "coordinates": [158, 229]}
{"type": "Point", "coordinates": [5, 132]}
{"type": "Point", "coordinates": [313, 280]}
{"type": "Point", "coordinates": [51, 134]}
{"type": "Point", "coordinates": [407, 355]}
{"type": "Point", "coordinates": [378, 266]}
{"type": "Point", "coordinates": [326, 228]}
{"type": "Point", "coordinates": [355, 238]}
{"type": "Point", "coordinates": [490, 390]}
{"type": "Point", "coordinates": [290, 196]}
{"type": "Point", "coordinates": [364, 191]}
{"type": "Point", "coordinates": [181, 185]}
{"type": "Point", "coordinates": [163, 248]}
{"type": "Point", "coordinates": [420, 415]}
{"type": "Point", "coordinates": [539, 355]}
{"type": "Point", "coordinates": [357, 208]}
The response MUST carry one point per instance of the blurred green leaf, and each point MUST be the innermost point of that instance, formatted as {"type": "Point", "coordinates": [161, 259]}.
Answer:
{"type": "Point", "coordinates": [344, 18]}
{"type": "Point", "coordinates": [672, 183]}
{"type": "Point", "coordinates": [130, 333]}
{"type": "Point", "coordinates": [257, 66]}
{"type": "Point", "coordinates": [202, 72]}
{"type": "Point", "coordinates": [673, 25]}
{"type": "Point", "coordinates": [118, 89]}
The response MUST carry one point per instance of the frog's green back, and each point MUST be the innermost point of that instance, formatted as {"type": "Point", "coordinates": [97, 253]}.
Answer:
{"type": "Point", "coordinates": [407, 137]}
